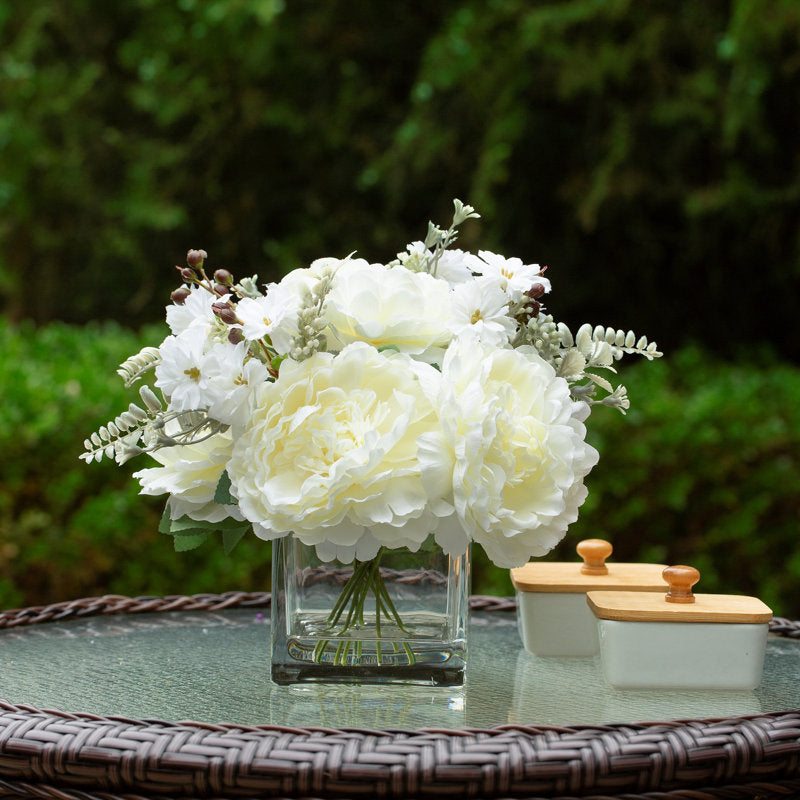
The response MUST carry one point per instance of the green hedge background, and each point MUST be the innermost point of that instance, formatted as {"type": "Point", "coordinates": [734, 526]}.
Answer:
{"type": "Point", "coordinates": [649, 153]}
{"type": "Point", "coordinates": [703, 469]}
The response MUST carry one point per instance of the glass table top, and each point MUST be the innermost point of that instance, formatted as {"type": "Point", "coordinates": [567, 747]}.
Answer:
{"type": "Point", "coordinates": [214, 667]}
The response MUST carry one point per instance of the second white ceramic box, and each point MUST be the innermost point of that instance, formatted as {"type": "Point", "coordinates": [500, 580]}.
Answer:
{"type": "Point", "coordinates": [680, 640]}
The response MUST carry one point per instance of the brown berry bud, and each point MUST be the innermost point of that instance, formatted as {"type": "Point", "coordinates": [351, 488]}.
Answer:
{"type": "Point", "coordinates": [225, 312]}
{"type": "Point", "coordinates": [188, 275]}
{"type": "Point", "coordinates": [179, 296]}
{"type": "Point", "coordinates": [224, 277]}
{"type": "Point", "coordinates": [235, 335]}
{"type": "Point", "coordinates": [195, 258]}
{"type": "Point", "coordinates": [536, 291]}
{"type": "Point", "coordinates": [220, 290]}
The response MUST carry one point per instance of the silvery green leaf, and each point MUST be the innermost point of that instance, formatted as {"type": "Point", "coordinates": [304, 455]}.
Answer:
{"type": "Point", "coordinates": [601, 382]}
{"type": "Point", "coordinates": [583, 341]}
{"type": "Point", "coordinates": [572, 364]}
{"type": "Point", "coordinates": [137, 413]}
{"type": "Point", "coordinates": [566, 335]}
{"type": "Point", "coordinates": [150, 399]}
{"type": "Point", "coordinates": [603, 355]}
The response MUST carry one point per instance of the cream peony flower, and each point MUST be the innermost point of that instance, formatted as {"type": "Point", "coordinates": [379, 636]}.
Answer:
{"type": "Point", "coordinates": [513, 442]}
{"type": "Point", "coordinates": [330, 453]}
{"type": "Point", "coordinates": [389, 306]}
{"type": "Point", "coordinates": [190, 474]}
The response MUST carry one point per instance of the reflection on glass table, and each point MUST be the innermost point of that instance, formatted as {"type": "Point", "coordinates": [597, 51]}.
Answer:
{"type": "Point", "coordinates": [214, 667]}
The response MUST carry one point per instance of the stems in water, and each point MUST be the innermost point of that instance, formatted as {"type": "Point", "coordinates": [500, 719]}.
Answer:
{"type": "Point", "coordinates": [348, 613]}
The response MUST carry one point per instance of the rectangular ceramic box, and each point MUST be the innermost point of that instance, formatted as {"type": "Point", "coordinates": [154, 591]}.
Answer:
{"type": "Point", "coordinates": [557, 624]}
{"type": "Point", "coordinates": [678, 655]}
{"type": "Point", "coordinates": [553, 617]}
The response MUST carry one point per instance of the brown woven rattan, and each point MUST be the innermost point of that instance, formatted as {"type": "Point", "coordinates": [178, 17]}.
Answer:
{"type": "Point", "coordinates": [55, 755]}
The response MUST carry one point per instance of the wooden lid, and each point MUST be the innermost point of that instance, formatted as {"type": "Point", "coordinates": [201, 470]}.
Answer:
{"type": "Point", "coordinates": [678, 604]}
{"type": "Point", "coordinates": [591, 574]}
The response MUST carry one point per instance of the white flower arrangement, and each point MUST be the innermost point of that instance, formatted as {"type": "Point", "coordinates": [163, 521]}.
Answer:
{"type": "Point", "coordinates": [364, 406]}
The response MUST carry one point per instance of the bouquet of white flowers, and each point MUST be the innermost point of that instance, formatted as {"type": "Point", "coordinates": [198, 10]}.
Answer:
{"type": "Point", "coordinates": [365, 406]}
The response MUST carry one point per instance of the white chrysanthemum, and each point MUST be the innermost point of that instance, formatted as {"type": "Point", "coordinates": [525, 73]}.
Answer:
{"type": "Point", "coordinates": [383, 306]}
{"type": "Point", "coordinates": [190, 474]}
{"type": "Point", "coordinates": [515, 277]}
{"type": "Point", "coordinates": [481, 307]}
{"type": "Point", "coordinates": [453, 265]}
{"type": "Point", "coordinates": [513, 441]}
{"type": "Point", "coordinates": [231, 381]}
{"type": "Point", "coordinates": [330, 452]}
{"type": "Point", "coordinates": [180, 375]}
{"type": "Point", "coordinates": [274, 315]}
{"type": "Point", "coordinates": [195, 312]}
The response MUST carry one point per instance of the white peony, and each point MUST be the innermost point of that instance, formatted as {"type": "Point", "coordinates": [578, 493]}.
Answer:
{"type": "Point", "coordinates": [190, 474]}
{"type": "Point", "coordinates": [330, 453]}
{"type": "Point", "coordinates": [389, 306]}
{"type": "Point", "coordinates": [512, 443]}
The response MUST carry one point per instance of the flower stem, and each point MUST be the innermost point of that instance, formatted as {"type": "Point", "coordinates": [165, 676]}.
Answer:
{"type": "Point", "coordinates": [348, 613]}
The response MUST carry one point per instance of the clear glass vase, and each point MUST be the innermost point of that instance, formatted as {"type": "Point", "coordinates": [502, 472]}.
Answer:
{"type": "Point", "coordinates": [398, 618]}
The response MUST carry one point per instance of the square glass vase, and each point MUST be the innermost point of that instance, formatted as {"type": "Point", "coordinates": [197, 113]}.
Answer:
{"type": "Point", "coordinates": [398, 618]}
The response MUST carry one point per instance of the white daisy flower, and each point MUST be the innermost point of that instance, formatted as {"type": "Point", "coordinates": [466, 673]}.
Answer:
{"type": "Point", "coordinates": [481, 306]}
{"type": "Point", "coordinates": [515, 277]}
{"type": "Point", "coordinates": [180, 375]}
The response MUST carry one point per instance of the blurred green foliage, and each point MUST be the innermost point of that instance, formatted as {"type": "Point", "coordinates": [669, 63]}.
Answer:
{"type": "Point", "coordinates": [648, 152]}
{"type": "Point", "coordinates": [68, 529]}
{"type": "Point", "coordinates": [645, 150]}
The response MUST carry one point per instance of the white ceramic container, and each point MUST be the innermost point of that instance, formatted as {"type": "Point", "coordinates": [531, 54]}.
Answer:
{"type": "Point", "coordinates": [680, 640]}
{"type": "Point", "coordinates": [554, 619]}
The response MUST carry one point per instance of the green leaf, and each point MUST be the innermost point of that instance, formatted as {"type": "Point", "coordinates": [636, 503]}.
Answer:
{"type": "Point", "coordinates": [189, 541]}
{"type": "Point", "coordinates": [165, 521]}
{"type": "Point", "coordinates": [388, 347]}
{"type": "Point", "coordinates": [230, 538]}
{"type": "Point", "coordinates": [222, 495]}
{"type": "Point", "coordinates": [184, 524]}
{"type": "Point", "coordinates": [276, 362]}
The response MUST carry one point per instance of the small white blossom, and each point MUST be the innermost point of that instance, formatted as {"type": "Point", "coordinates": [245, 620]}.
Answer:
{"type": "Point", "coordinates": [515, 277]}
{"type": "Point", "coordinates": [269, 316]}
{"type": "Point", "coordinates": [481, 306]}
{"type": "Point", "coordinates": [195, 312]}
{"type": "Point", "coordinates": [232, 381]}
{"type": "Point", "coordinates": [453, 265]}
{"type": "Point", "coordinates": [181, 374]}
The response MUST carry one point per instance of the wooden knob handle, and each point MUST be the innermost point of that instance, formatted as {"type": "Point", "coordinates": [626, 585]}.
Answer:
{"type": "Point", "coordinates": [594, 553]}
{"type": "Point", "coordinates": [680, 579]}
